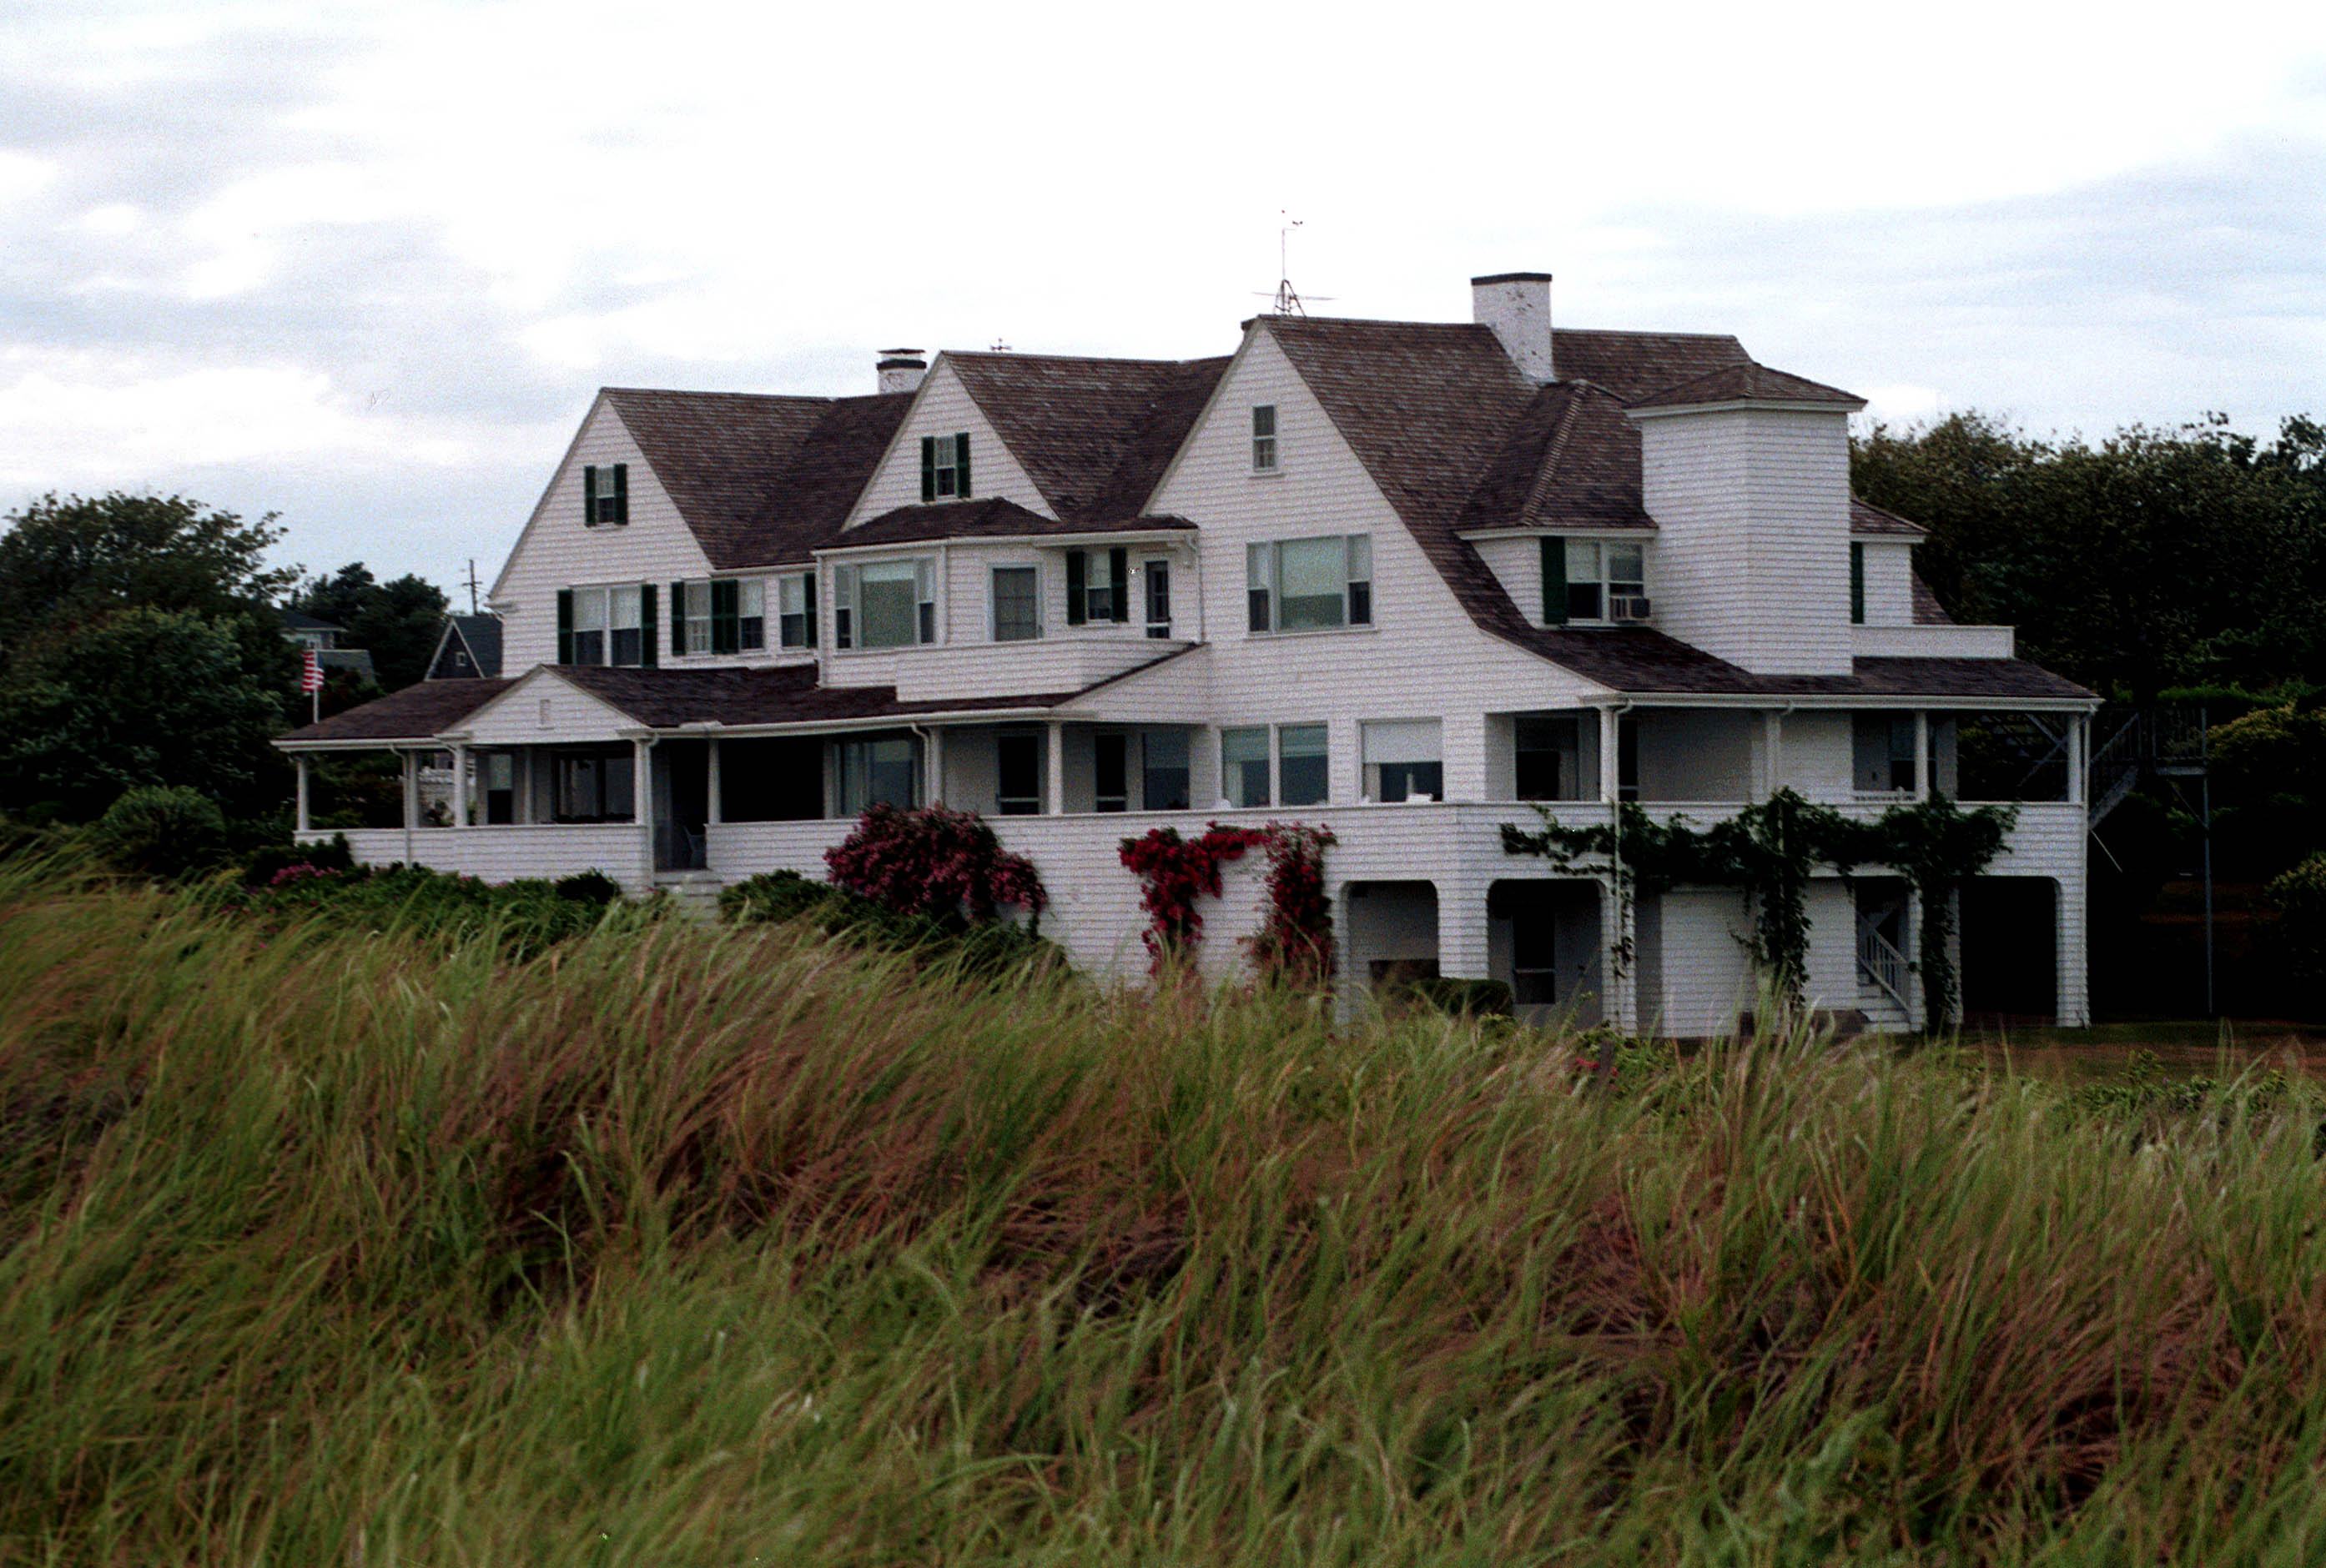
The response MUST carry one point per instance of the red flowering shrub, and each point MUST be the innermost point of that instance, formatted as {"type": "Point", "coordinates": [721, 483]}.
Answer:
{"type": "Point", "coordinates": [1295, 942]}
{"type": "Point", "coordinates": [937, 862]}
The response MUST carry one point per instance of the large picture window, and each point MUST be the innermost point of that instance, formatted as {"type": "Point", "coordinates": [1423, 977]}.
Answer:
{"type": "Point", "coordinates": [885, 604]}
{"type": "Point", "coordinates": [1307, 585]}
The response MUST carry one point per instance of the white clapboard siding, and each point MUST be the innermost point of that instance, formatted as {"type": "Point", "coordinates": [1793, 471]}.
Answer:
{"type": "Point", "coordinates": [1888, 583]}
{"type": "Point", "coordinates": [543, 708]}
{"type": "Point", "coordinates": [557, 549]}
{"type": "Point", "coordinates": [943, 407]}
{"type": "Point", "coordinates": [1752, 508]}
{"type": "Point", "coordinates": [507, 853]}
{"type": "Point", "coordinates": [1423, 657]}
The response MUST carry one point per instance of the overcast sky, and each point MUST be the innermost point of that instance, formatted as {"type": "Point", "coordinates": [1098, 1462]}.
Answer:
{"type": "Point", "coordinates": [365, 264]}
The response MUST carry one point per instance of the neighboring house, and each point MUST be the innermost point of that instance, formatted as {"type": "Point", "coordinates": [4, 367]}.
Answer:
{"type": "Point", "coordinates": [1411, 581]}
{"type": "Point", "coordinates": [305, 631]}
{"type": "Point", "coordinates": [469, 649]}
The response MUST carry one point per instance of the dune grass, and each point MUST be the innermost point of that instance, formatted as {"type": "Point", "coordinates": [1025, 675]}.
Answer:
{"type": "Point", "coordinates": [683, 1245]}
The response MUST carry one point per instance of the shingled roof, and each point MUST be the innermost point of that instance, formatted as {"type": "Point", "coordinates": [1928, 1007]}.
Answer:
{"type": "Point", "coordinates": [1572, 460]}
{"type": "Point", "coordinates": [995, 517]}
{"type": "Point", "coordinates": [1747, 383]}
{"type": "Point", "coordinates": [760, 480]}
{"type": "Point", "coordinates": [418, 712]}
{"type": "Point", "coordinates": [1634, 365]}
{"type": "Point", "coordinates": [1865, 517]}
{"type": "Point", "coordinates": [1094, 435]}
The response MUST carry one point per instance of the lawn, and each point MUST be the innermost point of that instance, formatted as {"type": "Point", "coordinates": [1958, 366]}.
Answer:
{"type": "Point", "coordinates": [335, 1241]}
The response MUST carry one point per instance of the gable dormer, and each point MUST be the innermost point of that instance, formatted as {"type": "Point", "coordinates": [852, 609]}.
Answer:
{"type": "Point", "coordinates": [946, 450]}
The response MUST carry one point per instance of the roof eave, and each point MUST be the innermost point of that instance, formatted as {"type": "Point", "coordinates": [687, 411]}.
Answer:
{"type": "Point", "coordinates": [1755, 404]}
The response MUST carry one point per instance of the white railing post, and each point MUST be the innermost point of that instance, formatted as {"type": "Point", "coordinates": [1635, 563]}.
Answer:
{"type": "Point", "coordinates": [300, 764]}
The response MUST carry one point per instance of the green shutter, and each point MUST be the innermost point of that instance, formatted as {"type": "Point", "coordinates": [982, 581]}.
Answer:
{"type": "Point", "coordinates": [678, 618]}
{"type": "Point", "coordinates": [1554, 582]}
{"type": "Point", "coordinates": [1077, 580]}
{"type": "Point", "coordinates": [726, 616]}
{"type": "Point", "coordinates": [589, 493]}
{"type": "Point", "coordinates": [928, 469]}
{"type": "Point", "coordinates": [650, 626]}
{"type": "Point", "coordinates": [961, 467]}
{"type": "Point", "coordinates": [1118, 576]}
{"type": "Point", "coordinates": [565, 626]}
{"type": "Point", "coordinates": [1856, 584]}
{"type": "Point", "coordinates": [621, 492]}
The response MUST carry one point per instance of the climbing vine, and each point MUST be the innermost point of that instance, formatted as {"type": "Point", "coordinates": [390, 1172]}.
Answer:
{"type": "Point", "coordinates": [1296, 939]}
{"type": "Point", "coordinates": [1767, 850]}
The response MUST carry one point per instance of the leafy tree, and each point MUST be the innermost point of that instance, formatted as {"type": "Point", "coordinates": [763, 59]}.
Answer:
{"type": "Point", "coordinates": [397, 621]}
{"type": "Point", "coordinates": [143, 697]}
{"type": "Point", "coordinates": [2149, 559]}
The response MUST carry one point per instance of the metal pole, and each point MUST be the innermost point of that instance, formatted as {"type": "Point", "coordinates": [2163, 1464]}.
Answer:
{"type": "Point", "coordinates": [2205, 800]}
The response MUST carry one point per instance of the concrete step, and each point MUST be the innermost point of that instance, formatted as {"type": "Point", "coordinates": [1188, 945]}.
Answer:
{"type": "Point", "coordinates": [695, 892]}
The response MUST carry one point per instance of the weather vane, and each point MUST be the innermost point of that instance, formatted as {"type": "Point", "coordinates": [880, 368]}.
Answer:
{"type": "Point", "coordinates": [1286, 301]}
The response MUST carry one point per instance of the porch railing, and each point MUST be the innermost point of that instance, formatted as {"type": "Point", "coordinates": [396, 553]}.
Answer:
{"type": "Point", "coordinates": [1880, 962]}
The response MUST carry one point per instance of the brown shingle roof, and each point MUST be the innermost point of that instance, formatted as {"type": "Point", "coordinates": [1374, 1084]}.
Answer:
{"type": "Point", "coordinates": [789, 694]}
{"type": "Point", "coordinates": [995, 517]}
{"type": "Point", "coordinates": [415, 713]}
{"type": "Point", "coordinates": [1865, 517]}
{"type": "Point", "coordinates": [1747, 383]}
{"type": "Point", "coordinates": [817, 486]}
{"type": "Point", "coordinates": [1928, 610]}
{"type": "Point", "coordinates": [1572, 460]}
{"type": "Point", "coordinates": [1632, 365]}
{"type": "Point", "coordinates": [1094, 435]}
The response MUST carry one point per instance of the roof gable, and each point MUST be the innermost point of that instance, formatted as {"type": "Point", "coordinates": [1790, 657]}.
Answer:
{"type": "Point", "coordinates": [718, 456]}
{"type": "Point", "coordinates": [1094, 435]}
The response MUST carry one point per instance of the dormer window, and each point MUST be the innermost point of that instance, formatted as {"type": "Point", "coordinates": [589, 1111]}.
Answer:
{"type": "Point", "coordinates": [605, 493]}
{"type": "Point", "coordinates": [944, 467]}
{"type": "Point", "coordinates": [1263, 439]}
{"type": "Point", "coordinates": [1593, 581]}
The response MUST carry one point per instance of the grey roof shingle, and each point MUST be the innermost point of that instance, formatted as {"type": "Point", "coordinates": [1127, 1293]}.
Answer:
{"type": "Point", "coordinates": [1747, 383]}
{"type": "Point", "coordinates": [1865, 517]}
{"type": "Point", "coordinates": [995, 517]}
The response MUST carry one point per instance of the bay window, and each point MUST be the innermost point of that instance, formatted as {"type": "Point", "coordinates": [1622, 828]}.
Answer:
{"type": "Point", "coordinates": [1306, 585]}
{"type": "Point", "coordinates": [885, 604]}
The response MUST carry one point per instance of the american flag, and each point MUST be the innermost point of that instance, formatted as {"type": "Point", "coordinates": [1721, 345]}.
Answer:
{"type": "Point", "coordinates": [311, 671]}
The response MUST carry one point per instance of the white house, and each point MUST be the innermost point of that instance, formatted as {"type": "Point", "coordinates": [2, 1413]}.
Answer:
{"type": "Point", "coordinates": [1406, 580]}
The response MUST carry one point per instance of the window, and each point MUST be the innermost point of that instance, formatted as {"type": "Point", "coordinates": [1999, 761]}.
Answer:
{"type": "Point", "coordinates": [1164, 783]}
{"type": "Point", "coordinates": [498, 771]}
{"type": "Point", "coordinates": [944, 467]}
{"type": "Point", "coordinates": [887, 604]}
{"type": "Point", "coordinates": [1110, 770]}
{"type": "Point", "coordinates": [606, 494]}
{"type": "Point", "coordinates": [1158, 577]}
{"type": "Point", "coordinates": [1304, 585]}
{"type": "Point", "coordinates": [1301, 764]}
{"type": "Point", "coordinates": [1016, 604]}
{"type": "Point", "coordinates": [1886, 752]}
{"type": "Point", "coordinates": [724, 615]}
{"type": "Point", "coordinates": [607, 625]}
{"type": "Point", "coordinates": [1856, 583]}
{"type": "Point", "coordinates": [1098, 585]}
{"type": "Point", "coordinates": [591, 786]}
{"type": "Point", "coordinates": [1627, 759]}
{"type": "Point", "coordinates": [795, 609]}
{"type": "Point", "coordinates": [1582, 578]}
{"type": "Point", "coordinates": [1404, 760]}
{"type": "Point", "coordinates": [695, 617]}
{"type": "Point", "coordinates": [1017, 771]}
{"type": "Point", "coordinates": [1548, 750]}
{"type": "Point", "coordinates": [1243, 767]}
{"type": "Point", "coordinates": [1263, 439]}
{"type": "Point", "coordinates": [882, 770]}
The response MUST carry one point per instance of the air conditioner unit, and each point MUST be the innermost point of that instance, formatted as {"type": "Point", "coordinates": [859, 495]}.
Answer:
{"type": "Point", "coordinates": [1628, 607]}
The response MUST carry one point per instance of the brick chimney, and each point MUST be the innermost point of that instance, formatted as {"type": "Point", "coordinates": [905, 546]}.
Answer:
{"type": "Point", "coordinates": [901, 369]}
{"type": "Point", "coordinates": [1516, 307]}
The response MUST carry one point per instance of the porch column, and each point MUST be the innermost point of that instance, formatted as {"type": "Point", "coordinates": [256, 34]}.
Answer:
{"type": "Point", "coordinates": [1922, 753]}
{"type": "Point", "coordinates": [710, 783]}
{"type": "Point", "coordinates": [933, 758]}
{"type": "Point", "coordinates": [299, 763]}
{"type": "Point", "coordinates": [1058, 761]}
{"type": "Point", "coordinates": [642, 784]}
{"type": "Point", "coordinates": [1610, 767]}
{"type": "Point", "coordinates": [1772, 748]}
{"type": "Point", "coordinates": [460, 786]}
{"type": "Point", "coordinates": [411, 790]}
{"type": "Point", "coordinates": [2076, 737]}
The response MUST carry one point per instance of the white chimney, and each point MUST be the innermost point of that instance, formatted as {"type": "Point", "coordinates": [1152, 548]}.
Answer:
{"type": "Point", "coordinates": [1517, 306]}
{"type": "Point", "coordinates": [901, 369]}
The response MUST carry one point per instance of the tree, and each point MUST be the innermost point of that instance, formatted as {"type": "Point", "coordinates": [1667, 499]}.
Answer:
{"type": "Point", "coordinates": [144, 697]}
{"type": "Point", "coordinates": [398, 621]}
{"type": "Point", "coordinates": [2149, 559]}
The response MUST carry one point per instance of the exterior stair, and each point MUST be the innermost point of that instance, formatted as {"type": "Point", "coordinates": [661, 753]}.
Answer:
{"type": "Point", "coordinates": [695, 892]}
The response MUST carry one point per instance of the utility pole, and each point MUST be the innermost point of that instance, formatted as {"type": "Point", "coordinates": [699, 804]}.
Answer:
{"type": "Point", "coordinates": [472, 585]}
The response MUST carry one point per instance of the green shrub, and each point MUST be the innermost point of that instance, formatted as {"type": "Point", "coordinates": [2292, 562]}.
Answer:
{"type": "Point", "coordinates": [525, 916]}
{"type": "Point", "coordinates": [269, 861]}
{"type": "Point", "coordinates": [1460, 998]}
{"type": "Point", "coordinates": [2298, 896]}
{"type": "Point", "coordinates": [592, 887]}
{"type": "Point", "coordinates": [782, 897]}
{"type": "Point", "coordinates": [160, 830]}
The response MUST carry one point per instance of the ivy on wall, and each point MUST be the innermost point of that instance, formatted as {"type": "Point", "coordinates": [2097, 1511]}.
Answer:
{"type": "Point", "coordinates": [1768, 851]}
{"type": "Point", "coordinates": [1295, 940]}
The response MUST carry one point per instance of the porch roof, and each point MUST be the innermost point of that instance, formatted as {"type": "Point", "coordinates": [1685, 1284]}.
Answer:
{"type": "Point", "coordinates": [748, 698]}
{"type": "Point", "coordinates": [418, 712]}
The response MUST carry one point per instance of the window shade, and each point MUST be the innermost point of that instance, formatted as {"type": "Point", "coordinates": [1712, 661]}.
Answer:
{"type": "Point", "coordinates": [1402, 740]}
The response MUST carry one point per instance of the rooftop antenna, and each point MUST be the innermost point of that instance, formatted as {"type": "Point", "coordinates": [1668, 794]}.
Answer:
{"type": "Point", "coordinates": [472, 585]}
{"type": "Point", "coordinates": [1287, 300]}
{"type": "Point", "coordinates": [1000, 346]}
